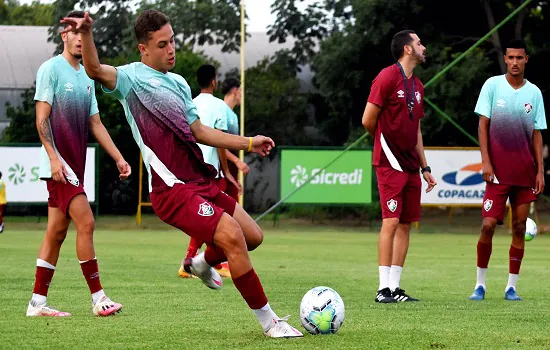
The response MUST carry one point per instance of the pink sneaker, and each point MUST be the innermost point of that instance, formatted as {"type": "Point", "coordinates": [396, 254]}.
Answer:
{"type": "Point", "coordinates": [106, 307]}
{"type": "Point", "coordinates": [44, 310]}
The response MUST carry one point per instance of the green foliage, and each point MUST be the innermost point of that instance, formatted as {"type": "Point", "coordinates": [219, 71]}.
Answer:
{"type": "Point", "coordinates": [201, 22]}
{"type": "Point", "coordinates": [12, 12]}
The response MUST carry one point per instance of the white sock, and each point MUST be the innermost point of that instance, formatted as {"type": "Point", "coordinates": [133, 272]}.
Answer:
{"type": "Point", "coordinates": [384, 275]}
{"type": "Point", "coordinates": [44, 263]}
{"type": "Point", "coordinates": [97, 295]}
{"type": "Point", "coordinates": [199, 263]}
{"type": "Point", "coordinates": [395, 277]}
{"type": "Point", "coordinates": [481, 273]}
{"type": "Point", "coordinates": [266, 316]}
{"type": "Point", "coordinates": [38, 299]}
{"type": "Point", "coordinates": [512, 281]}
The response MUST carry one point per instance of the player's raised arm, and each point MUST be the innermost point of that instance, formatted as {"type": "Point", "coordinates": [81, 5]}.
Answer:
{"type": "Point", "coordinates": [215, 138]}
{"type": "Point", "coordinates": [102, 73]}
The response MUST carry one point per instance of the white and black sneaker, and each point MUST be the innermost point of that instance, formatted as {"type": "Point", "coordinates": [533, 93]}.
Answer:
{"type": "Point", "coordinates": [400, 296]}
{"type": "Point", "coordinates": [384, 296]}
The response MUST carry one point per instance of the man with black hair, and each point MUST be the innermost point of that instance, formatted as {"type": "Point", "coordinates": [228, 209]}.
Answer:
{"type": "Point", "coordinates": [392, 116]}
{"type": "Point", "coordinates": [511, 117]}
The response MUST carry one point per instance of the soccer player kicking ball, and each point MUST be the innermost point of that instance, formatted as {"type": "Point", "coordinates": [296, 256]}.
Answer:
{"type": "Point", "coordinates": [166, 127]}
{"type": "Point", "coordinates": [392, 116]}
{"type": "Point", "coordinates": [511, 117]}
{"type": "Point", "coordinates": [66, 108]}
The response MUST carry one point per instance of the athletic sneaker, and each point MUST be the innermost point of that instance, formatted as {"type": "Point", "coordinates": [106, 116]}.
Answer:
{"type": "Point", "coordinates": [510, 294]}
{"type": "Point", "coordinates": [2, 228]}
{"type": "Point", "coordinates": [184, 274]}
{"type": "Point", "coordinates": [106, 307]}
{"type": "Point", "coordinates": [209, 276]}
{"type": "Point", "coordinates": [400, 296]}
{"type": "Point", "coordinates": [384, 296]}
{"type": "Point", "coordinates": [281, 329]}
{"type": "Point", "coordinates": [223, 270]}
{"type": "Point", "coordinates": [44, 310]}
{"type": "Point", "coordinates": [479, 293]}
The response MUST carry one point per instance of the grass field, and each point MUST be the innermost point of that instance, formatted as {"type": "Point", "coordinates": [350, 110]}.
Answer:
{"type": "Point", "coordinates": [161, 311]}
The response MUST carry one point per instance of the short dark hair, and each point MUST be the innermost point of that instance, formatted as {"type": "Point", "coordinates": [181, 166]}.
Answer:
{"type": "Point", "coordinates": [399, 40]}
{"type": "Point", "coordinates": [147, 22]}
{"type": "Point", "coordinates": [230, 83]}
{"type": "Point", "coordinates": [205, 74]}
{"type": "Point", "coordinates": [75, 14]}
{"type": "Point", "coordinates": [516, 44]}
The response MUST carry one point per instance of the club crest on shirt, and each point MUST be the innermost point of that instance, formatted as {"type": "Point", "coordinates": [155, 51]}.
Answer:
{"type": "Point", "coordinates": [418, 96]}
{"type": "Point", "coordinates": [528, 107]}
{"type": "Point", "coordinates": [400, 94]}
{"type": "Point", "coordinates": [89, 90]}
{"type": "Point", "coordinates": [205, 209]}
{"type": "Point", "coordinates": [488, 204]}
{"type": "Point", "coordinates": [392, 205]}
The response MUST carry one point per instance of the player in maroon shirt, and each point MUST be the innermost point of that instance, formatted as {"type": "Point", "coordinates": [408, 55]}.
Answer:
{"type": "Point", "coordinates": [392, 115]}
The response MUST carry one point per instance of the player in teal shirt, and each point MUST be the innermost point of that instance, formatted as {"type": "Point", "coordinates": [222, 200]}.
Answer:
{"type": "Point", "coordinates": [66, 110]}
{"type": "Point", "coordinates": [165, 125]}
{"type": "Point", "coordinates": [511, 117]}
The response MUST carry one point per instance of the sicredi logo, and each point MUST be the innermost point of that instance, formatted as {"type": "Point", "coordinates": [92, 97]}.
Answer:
{"type": "Point", "coordinates": [467, 176]}
{"type": "Point", "coordinates": [299, 175]}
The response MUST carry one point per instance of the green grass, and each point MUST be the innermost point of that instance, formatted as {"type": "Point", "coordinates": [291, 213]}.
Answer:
{"type": "Point", "coordinates": [161, 311]}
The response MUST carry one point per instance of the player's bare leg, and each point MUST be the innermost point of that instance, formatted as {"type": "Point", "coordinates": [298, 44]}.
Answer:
{"type": "Point", "coordinates": [385, 253]}
{"type": "Point", "coordinates": [253, 234]}
{"type": "Point", "coordinates": [229, 237]}
{"type": "Point", "coordinates": [519, 217]}
{"type": "Point", "coordinates": [400, 249]}
{"type": "Point", "coordinates": [484, 250]}
{"type": "Point", "coordinates": [83, 218]}
{"type": "Point", "coordinates": [48, 254]}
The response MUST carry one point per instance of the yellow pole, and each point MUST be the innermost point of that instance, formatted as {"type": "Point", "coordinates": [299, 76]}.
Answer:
{"type": "Point", "coordinates": [140, 186]}
{"type": "Point", "coordinates": [241, 153]}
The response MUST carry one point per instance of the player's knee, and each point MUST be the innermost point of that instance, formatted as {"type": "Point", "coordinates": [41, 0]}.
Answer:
{"type": "Point", "coordinates": [256, 239]}
{"type": "Point", "coordinates": [389, 226]}
{"type": "Point", "coordinates": [488, 227]}
{"type": "Point", "coordinates": [58, 234]}
{"type": "Point", "coordinates": [518, 228]}
{"type": "Point", "coordinates": [229, 236]}
{"type": "Point", "coordinates": [85, 226]}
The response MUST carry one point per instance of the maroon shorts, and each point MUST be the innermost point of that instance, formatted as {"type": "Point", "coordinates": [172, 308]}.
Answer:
{"type": "Point", "coordinates": [496, 195]}
{"type": "Point", "coordinates": [196, 209]}
{"type": "Point", "coordinates": [399, 194]}
{"type": "Point", "coordinates": [61, 194]}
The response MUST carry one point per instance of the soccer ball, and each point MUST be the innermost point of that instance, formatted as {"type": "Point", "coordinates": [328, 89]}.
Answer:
{"type": "Point", "coordinates": [530, 229]}
{"type": "Point", "coordinates": [322, 311]}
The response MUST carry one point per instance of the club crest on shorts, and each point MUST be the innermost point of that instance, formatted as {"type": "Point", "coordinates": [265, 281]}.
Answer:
{"type": "Point", "coordinates": [205, 209]}
{"type": "Point", "coordinates": [392, 205]}
{"type": "Point", "coordinates": [488, 204]}
{"type": "Point", "coordinates": [528, 108]}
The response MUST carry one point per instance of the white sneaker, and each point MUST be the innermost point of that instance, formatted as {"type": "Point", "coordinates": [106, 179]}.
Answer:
{"type": "Point", "coordinates": [210, 277]}
{"type": "Point", "coordinates": [2, 228]}
{"type": "Point", "coordinates": [281, 329]}
{"type": "Point", "coordinates": [44, 310]}
{"type": "Point", "coordinates": [106, 307]}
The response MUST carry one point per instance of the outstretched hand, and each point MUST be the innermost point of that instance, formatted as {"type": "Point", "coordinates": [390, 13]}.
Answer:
{"type": "Point", "coordinates": [77, 25]}
{"type": "Point", "coordinates": [430, 180]}
{"type": "Point", "coordinates": [262, 145]}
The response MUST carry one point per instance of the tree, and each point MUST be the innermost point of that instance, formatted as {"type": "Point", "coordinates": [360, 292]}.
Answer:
{"type": "Point", "coordinates": [347, 43]}
{"type": "Point", "coordinates": [22, 127]}
{"type": "Point", "coordinates": [200, 22]}
{"type": "Point", "coordinates": [34, 14]}
{"type": "Point", "coordinates": [113, 25]}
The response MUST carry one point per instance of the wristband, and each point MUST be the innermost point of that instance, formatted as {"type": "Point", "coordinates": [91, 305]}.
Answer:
{"type": "Point", "coordinates": [428, 169]}
{"type": "Point", "coordinates": [249, 144]}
